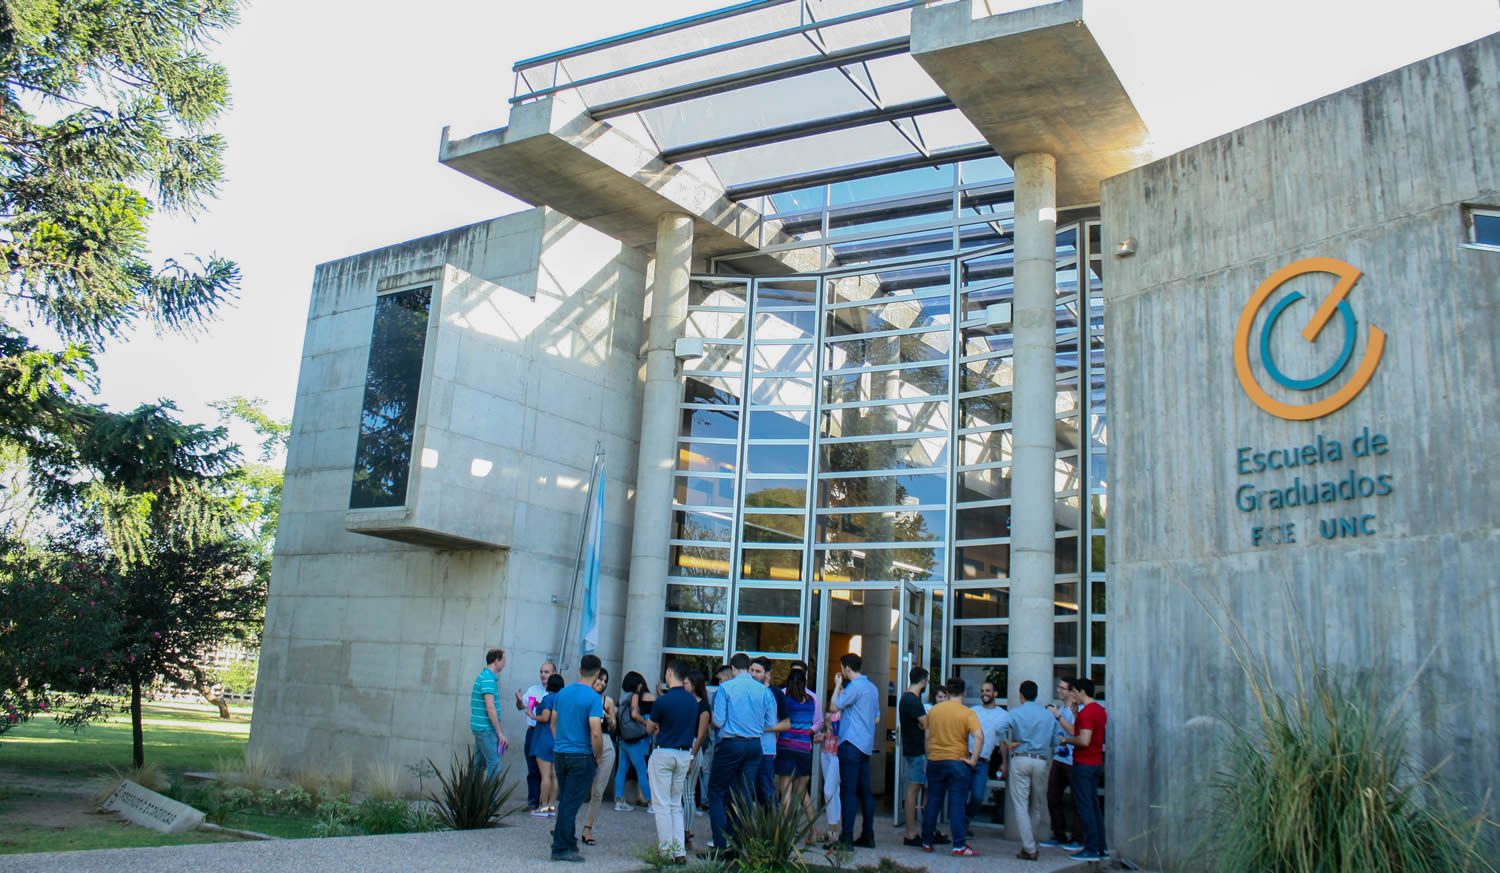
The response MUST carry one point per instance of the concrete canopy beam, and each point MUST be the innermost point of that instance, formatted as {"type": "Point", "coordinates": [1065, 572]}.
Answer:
{"type": "Point", "coordinates": [552, 154]}
{"type": "Point", "coordinates": [1035, 81]}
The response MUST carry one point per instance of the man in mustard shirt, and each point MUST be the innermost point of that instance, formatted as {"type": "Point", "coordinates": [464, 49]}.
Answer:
{"type": "Point", "coordinates": [950, 765]}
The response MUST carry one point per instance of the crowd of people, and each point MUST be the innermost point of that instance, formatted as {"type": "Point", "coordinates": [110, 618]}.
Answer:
{"type": "Point", "coordinates": [744, 739]}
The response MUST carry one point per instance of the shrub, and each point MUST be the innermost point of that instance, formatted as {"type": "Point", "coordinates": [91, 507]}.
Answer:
{"type": "Point", "coordinates": [768, 838]}
{"type": "Point", "coordinates": [472, 798]}
{"type": "Point", "coordinates": [421, 818]}
{"type": "Point", "coordinates": [289, 799]}
{"type": "Point", "coordinates": [388, 816]}
{"type": "Point", "coordinates": [1320, 781]}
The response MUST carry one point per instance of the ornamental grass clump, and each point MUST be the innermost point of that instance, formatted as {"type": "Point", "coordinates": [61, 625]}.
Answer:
{"type": "Point", "coordinates": [1319, 781]}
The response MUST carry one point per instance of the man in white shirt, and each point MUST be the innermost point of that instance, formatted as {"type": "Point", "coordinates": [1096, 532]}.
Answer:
{"type": "Point", "coordinates": [526, 701]}
{"type": "Point", "coordinates": [995, 721]}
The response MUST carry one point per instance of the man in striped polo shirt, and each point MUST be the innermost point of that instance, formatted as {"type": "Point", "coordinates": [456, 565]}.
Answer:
{"type": "Point", "coordinates": [484, 719]}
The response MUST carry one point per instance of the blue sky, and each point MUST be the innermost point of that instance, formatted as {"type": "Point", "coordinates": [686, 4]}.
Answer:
{"type": "Point", "coordinates": [333, 134]}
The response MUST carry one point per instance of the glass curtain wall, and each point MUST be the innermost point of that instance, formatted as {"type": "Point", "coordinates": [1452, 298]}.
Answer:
{"type": "Point", "coordinates": [849, 430]}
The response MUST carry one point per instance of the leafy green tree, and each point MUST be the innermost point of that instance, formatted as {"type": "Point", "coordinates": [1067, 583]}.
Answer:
{"type": "Point", "coordinates": [105, 119]}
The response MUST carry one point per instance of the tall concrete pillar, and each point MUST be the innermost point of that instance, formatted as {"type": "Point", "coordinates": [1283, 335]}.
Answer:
{"type": "Point", "coordinates": [645, 601]}
{"type": "Point", "coordinates": [1032, 525]}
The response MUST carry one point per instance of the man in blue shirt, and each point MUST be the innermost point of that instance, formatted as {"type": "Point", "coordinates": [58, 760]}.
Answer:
{"type": "Point", "coordinates": [674, 721]}
{"type": "Point", "coordinates": [484, 719]}
{"type": "Point", "coordinates": [859, 701]}
{"type": "Point", "coordinates": [577, 715]}
{"type": "Point", "coordinates": [743, 710]}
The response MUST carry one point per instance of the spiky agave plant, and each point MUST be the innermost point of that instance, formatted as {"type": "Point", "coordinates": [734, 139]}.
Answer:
{"type": "Point", "coordinates": [469, 797]}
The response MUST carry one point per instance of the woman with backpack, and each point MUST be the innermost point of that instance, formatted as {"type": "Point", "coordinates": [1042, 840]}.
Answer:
{"type": "Point", "coordinates": [635, 742]}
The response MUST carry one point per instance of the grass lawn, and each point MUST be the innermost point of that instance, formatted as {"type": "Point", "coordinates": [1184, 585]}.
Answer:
{"type": "Point", "coordinates": [178, 737]}
{"type": "Point", "coordinates": [271, 825]}
{"type": "Point", "coordinates": [19, 838]}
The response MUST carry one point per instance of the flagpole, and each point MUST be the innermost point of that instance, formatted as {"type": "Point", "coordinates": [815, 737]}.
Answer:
{"type": "Point", "coordinates": [583, 532]}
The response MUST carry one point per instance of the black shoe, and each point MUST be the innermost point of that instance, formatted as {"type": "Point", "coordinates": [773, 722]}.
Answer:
{"type": "Point", "coordinates": [913, 841]}
{"type": "Point", "coordinates": [568, 856]}
{"type": "Point", "coordinates": [940, 840]}
{"type": "Point", "coordinates": [865, 842]}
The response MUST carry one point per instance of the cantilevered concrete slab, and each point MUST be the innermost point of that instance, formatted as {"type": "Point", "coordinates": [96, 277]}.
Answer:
{"type": "Point", "coordinates": [1035, 81]}
{"type": "Point", "coordinates": [552, 154]}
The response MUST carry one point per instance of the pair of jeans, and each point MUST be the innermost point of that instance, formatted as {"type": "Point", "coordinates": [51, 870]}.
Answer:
{"type": "Point", "coordinates": [979, 787]}
{"type": "Point", "coordinates": [575, 773]}
{"type": "Point", "coordinates": [533, 773]}
{"type": "Point", "coordinates": [668, 777]}
{"type": "Point", "coordinates": [1026, 782]}
{"type": "Point", "coordinates": [855, 788]}
{"type": "Point", "coordinates": [1065, 824]}
{"type": "Point", "coordinates": [633, 754]}
{"type": "Point", "coordinates": [950, 780]}
{"type": "Point", "coordinates": [736, 761]}
{"type": "Point", "coordinates": [1086, 798]}
{"type": "Point", "coordinates": [486, 750]}
{"type": "Point", "coordinates": [765, 781]}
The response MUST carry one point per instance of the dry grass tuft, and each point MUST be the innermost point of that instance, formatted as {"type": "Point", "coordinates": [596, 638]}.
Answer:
{"type": "Point", "coordinates": [382, 781]}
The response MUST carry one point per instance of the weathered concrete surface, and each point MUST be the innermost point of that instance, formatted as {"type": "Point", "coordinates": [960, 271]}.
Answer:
{"type": "Point", "coordinates": [370, 646]}
{"type": "Point", "coordinates": [1035, 81]}
{"type": "Point", "coordinates": [1375, 176]}
{"type": "Point", "coordinates": [552, 154]}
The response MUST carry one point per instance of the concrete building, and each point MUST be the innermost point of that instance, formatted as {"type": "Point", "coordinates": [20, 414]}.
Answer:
{"type": "Point", "coordinates": [868, 332]}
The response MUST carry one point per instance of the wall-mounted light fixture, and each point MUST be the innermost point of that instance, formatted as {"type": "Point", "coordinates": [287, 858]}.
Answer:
{"type": "Point", "coordinates": [689, 347]}
{"type": "Point", "coordinates": [1125, 247]}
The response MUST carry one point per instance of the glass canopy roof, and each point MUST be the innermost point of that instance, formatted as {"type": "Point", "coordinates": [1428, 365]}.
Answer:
{"type": "Point", "coordinates": [766, 89]}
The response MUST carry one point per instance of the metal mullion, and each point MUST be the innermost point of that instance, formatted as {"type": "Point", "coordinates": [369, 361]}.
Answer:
{"type": "Point", "coordinates": [983, 504]}
{"type": "Point", "coordinates": [882, 334]}
{"type": "Point", "coordinates": [865, 474]}
{"type": "Point", "coordinates": [737, 524]}
{"type": "Point", "coordinates": [810, 511]}
{"type": "Point", "coordinates": [862, 170]}
{"type": "Point", "coordinates": [729, 309]}
{"type": "Point", "coordinates": [883, 437]}
{"type": "Point", "coordinates": [986, 356]}
{"type": "Point", "coordinates": [706, 616]}
{"type": "Point", "coordinates": [712, 544]}
{"type": "Point", "coordinates": [985, 392]}
{"type": "Point", "coordinates": [799, 130]}
{"type": "Point", "coordinates": [876, 544]}
{"type": "Point", "coordinates": [704, 475]}
{"type": "Point", "coordinates": [707, 441]}
{"type": "Point", "coordinates": [984, 428]}
{"type": "Point", "coordinates": [927, 294]}
{"type": "Point", "coordinates": [982, 541]}
{"type": "Point", "coordinates": [880, 368]}
{"type": "Point", "coordinates": [884, 507]}
{"type": "Point", "coordinates": [894, 401]}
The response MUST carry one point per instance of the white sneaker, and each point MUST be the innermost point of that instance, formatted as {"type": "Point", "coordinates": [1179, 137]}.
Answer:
{"type": "Point", "coordinates": [622, 806]}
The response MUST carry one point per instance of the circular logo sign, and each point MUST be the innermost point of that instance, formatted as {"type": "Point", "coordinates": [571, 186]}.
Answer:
{"type": "Point", "coordinates": [1335, 302]}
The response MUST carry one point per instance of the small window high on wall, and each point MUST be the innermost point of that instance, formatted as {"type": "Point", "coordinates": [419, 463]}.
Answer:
{"type": "Point", "coordinates": [393, 380]}
{"type": "Point", "coordinates": [1483, 227]}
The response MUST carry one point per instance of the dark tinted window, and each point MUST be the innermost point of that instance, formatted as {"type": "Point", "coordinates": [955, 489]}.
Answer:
{"type": "Point", "coordinates": [393, 379]}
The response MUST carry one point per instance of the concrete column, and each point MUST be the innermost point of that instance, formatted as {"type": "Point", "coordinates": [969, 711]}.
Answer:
{"type": "Point", "coordinates": [1032, 524]}
{"type": "Point", "coordinates": [646, 598]}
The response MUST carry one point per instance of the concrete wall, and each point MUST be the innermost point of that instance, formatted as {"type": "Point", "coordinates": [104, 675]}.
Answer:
{"type": "Point", "coordinates": [1375, 176]}
{"type": "Point", "coordinates": [370, 645]}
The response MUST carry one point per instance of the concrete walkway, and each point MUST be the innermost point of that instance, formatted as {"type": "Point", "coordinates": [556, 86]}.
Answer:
{"type": "Point", "coordinates": [520, 847]}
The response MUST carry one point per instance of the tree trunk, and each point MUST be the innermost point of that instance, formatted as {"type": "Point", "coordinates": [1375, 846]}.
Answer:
{"type": "Point", "coordinates": [138, 743]}
{"type": "Point", "coordinates": [218, 701]}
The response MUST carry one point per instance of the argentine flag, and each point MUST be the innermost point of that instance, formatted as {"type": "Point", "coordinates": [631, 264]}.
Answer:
{"type": "Point", "coordinates": [593, 554]}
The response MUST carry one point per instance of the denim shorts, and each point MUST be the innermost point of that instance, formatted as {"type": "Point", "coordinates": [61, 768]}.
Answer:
{"type": "Point", "coordinates": [916, 769]}
{"type": "Point", "coordinates": [790, 762]}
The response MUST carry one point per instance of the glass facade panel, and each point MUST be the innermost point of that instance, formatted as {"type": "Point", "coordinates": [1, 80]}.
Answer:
{"type": "Point", "coordinates": [701, 491]}
{"type": "Point", "coordinates": [906, 526]}
{"type": "Point", "coordinates": [705, 526]}
{"type": "Point", "coordinates": [393, 382]}
{"type": "Point", "coordinates": [711, 599]}
{"type": "Point", "coordinates": [694, 633]}
{"type": "Point", "coordinates": [693, 457]}
{"type": "Point", "coordinates": [846, 386]}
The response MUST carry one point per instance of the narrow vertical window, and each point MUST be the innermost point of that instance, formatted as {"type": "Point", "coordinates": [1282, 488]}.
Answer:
{"type": "Point", "coordinates": [393, 380]}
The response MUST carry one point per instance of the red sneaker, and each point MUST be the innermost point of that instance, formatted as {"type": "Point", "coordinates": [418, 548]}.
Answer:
{"type": "Point", "coordinates": [966, 852]}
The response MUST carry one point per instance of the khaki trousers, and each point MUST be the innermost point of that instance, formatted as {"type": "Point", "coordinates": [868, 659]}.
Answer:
{"type": "Point", "coordinates": [1028, 795]}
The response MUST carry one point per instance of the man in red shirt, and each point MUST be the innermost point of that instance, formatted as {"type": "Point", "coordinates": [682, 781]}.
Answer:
{"type": "Point", "coordinates": [1086, 734]}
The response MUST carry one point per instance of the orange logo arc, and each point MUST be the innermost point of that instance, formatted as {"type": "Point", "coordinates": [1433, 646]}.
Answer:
{"type": "Point", "coordinates": [1347, 275]}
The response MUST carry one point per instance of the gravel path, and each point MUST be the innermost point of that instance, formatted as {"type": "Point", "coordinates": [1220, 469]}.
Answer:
{"type": "Point", "coordinates": [520, 847]}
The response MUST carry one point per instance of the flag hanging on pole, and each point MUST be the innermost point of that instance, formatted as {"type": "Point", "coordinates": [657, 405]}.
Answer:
{"type": "Point", "coordinates": [593, 555]}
